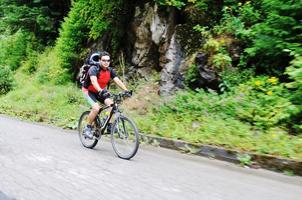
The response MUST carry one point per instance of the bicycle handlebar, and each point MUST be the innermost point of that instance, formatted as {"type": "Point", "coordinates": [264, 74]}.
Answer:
{"type": "Point", "coordinates": [119, 96]}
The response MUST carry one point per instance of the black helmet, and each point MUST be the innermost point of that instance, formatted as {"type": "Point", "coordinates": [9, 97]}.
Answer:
{"type": "Point", "coordinates": [94, 58]}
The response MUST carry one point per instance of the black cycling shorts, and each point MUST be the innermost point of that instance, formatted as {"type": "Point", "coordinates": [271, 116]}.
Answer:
{"type": "Point", "coordinates": [92, 97]}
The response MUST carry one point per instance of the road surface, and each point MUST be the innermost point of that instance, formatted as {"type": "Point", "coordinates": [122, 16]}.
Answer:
{"type": "Point", "coordinates": [40, 162]}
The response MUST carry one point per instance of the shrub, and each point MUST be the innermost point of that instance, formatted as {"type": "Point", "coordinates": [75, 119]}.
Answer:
{"type": "Point", "coordinates": [39, 17]}
{"type": "Point", "coordinates": [49, 69]}
{"type": "Point", "coordinates": [192, 74]}
{"type": "Point", "coordinates": [204, 32]}
{"type": "Point", "coordinates": [6, 80]}
{"type": "Point", "coordinates": [86, 20]}
{"type": "Point", "coordinates": [14, 48]}
{"type": "Point", "coordinates": [263, 102]}
{"type": "Point", "coordinates": [233, 77]}
{"type": "Point", "coordinates": [278, 31]}
{"type": "Point", "coordinates": [30, 64]}
{"type": "Point", "coordinates": [229, 24]}
{"type": "Point", "coordinates": [218, 56]}
{"type": "Point", "coordinates": [222, 61]}
{"type": "Point", "coordinates": [176, 3]}
{"type": "Point", "coordinates": [295, 73]}
{"type": "Point", "coordinates": [73, 34]}
{"type": "Point", "coordinates": [248, 14]}
{"type": "Point", "coordinates": [211, 46]}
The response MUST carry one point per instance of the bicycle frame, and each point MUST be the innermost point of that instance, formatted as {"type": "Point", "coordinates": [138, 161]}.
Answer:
{"type": "Point", "coordinates": [114, 110]}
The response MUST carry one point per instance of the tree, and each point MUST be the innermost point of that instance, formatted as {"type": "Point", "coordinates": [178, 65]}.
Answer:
{"type": "Point", "coordinates": [279, 34]}
{"type": "Point", "coordinates": [42, 17]}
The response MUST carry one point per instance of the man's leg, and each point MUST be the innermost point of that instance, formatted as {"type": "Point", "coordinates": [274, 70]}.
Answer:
{"type": "Point", "coordinates": [95, 107]}
{"type": "Point", "coordinates": [93, 113]}
{"type": "Point", "coordinates": [109, 102]}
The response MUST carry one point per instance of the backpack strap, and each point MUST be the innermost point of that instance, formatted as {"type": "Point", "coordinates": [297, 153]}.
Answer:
{"type": "Point", "coordinates": [109, 83]}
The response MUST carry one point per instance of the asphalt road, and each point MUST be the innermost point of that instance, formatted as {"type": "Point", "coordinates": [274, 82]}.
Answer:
{"type": "Point", "coordinates": [40, 162]}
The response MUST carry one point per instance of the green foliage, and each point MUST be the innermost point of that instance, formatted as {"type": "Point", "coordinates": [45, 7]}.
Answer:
{"type": "Point", "coordinates": [14, 48]}
{"type": "Point", "coordinates": [269, 33]}
{"type": "Point", "coordinates": [233, 77]}
{"type": "Point", "coordinates": [204, 32]}
{"type": "Point", "coordinates": [49, 69]}
{"type": "Point", "coordinates": [39, 17]}
{"type": "Point", "coordinates": [30, 64]}
{"type": "Point", "coordinates": [237, 18]}
{"type": "Point", "coordinates": [288, 172]}
{"type": "Point", "coordinates": [245, 159]}
{"type": "Point", "coordinates": [230, 24]}
{"type": "Point", "coordinates": [263, 102]}
{"type": "Point", "coordinates": [217, 54]}
{"type": "Point", "coordinates": [6, 80]}
{"type": "Point", "coordinates": [176, 3]}
{"type": "Point", "coordinates": [222, 61]}
{"type": "Point", "coordinates": [86, 20]}
{"type": "Point", "coordinates": [73, 35]}
{"type": "Point", "coordinates": [191, 74]}
{"type": "Point", "coordinates": [295, 73]}
{"type": "Point", "coordinates": [203, 12]}
{"type": "Point", "coordinates": [212, 46]}
{"type": "Point", "coordinates": [276, 141]}
{"type": "Point", "coordinates": [54, 104]}
{"type": "Point", "coordinates": [248, 14]}
{"type": "Point", "coordinates": [275, 35]}
{"type": "Point", "coordinates": [250, 117]}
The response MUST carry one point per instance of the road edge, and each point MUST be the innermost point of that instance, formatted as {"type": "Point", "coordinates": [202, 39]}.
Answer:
{"type": "Point", "coordinates": [269, 162]}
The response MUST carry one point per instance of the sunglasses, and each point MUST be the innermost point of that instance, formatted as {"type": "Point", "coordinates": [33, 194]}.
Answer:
{"type": "Point", "coordinates": [105, 60]}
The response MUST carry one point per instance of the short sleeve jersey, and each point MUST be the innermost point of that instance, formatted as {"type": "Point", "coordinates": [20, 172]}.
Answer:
{"type": "Point", "coordinates": [103, 77]}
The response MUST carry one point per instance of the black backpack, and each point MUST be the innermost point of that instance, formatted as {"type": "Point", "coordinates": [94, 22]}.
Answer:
{"type": "Point", "coordinates": [92, 60]}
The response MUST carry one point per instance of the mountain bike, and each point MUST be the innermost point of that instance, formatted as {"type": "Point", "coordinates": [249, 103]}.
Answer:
{"type": "Point", "coordinates": [124, 133]}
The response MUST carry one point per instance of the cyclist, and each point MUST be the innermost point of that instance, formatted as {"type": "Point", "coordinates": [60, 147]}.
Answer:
{"type": "Point", "coordinates": [94, 87]}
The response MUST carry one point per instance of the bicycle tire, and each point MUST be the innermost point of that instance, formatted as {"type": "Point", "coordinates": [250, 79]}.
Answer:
{"type": "Point", "coordinates": [124, 135]}
{"type": "Point", "coordinates": [82, 123]}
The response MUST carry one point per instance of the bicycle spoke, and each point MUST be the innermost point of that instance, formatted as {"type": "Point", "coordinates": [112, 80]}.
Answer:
{"type": "Point", "coordinates": [124, 138]}
{"type": "Point", "coordinates": [82, 124]}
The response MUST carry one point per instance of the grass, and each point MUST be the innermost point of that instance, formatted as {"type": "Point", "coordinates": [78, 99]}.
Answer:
{"type": "Point", "coordinates": [199, 123]}
{"type": "Point", "coordinates": [228, 133]}
{"type": "Point", "coordinates": [60, 105]}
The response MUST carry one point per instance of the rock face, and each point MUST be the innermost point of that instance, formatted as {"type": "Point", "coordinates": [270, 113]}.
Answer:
{"type": "Point", "coordinates": [161, 41]}
{"type": "Point", "coordinates": [171, 78]}
{"type": "Point", "coordinates": [143, 47]}
{"type": "Point", "coordinates": [149, 33]}
{"type": "Point", "coordinates": [208, 77]}
{"type": "Point", "coordinates": [156, 46]}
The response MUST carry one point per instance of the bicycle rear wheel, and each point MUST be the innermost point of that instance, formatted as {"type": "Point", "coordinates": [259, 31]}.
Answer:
{"type": "Point", "coordinates": [88, 143]}
{"type": "Point", "coordinates": [124, 138]}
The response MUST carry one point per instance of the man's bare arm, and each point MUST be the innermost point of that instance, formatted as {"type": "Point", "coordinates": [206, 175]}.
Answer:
{"type": "Point", "coordinates": [120, 83]}
{"type": "Point", "coordinates": [94, 82]}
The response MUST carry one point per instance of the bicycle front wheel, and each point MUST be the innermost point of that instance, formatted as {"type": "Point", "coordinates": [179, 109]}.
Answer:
{"type": "Point", "coordinates": [124, 138]}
